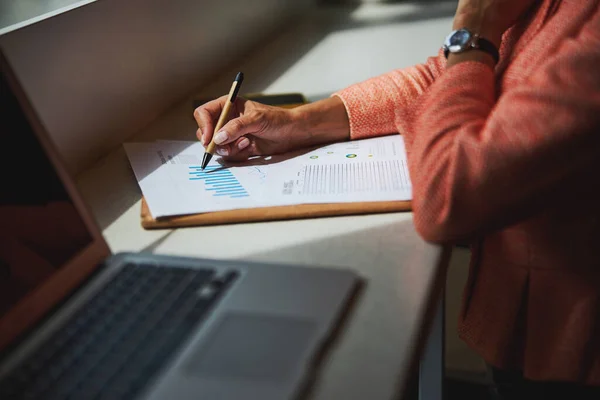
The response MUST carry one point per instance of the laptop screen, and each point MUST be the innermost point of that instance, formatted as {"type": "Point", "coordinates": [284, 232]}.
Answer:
{"type": "Point", "coordinates": [40, 227]}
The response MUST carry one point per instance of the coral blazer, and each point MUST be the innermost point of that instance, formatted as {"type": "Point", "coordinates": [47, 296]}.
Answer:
{"type": "Point", "coordinates": [509, 160]}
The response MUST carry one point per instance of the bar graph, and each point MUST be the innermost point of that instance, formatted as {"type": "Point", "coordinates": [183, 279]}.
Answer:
{"type": "Point", "coordinates": [221, 182]}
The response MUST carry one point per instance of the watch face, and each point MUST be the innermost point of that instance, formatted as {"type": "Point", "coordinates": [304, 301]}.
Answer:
{"type": "Point", "coordinates": [458, 40]}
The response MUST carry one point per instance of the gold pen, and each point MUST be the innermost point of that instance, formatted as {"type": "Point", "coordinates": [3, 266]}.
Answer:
{"type": "Point", "coordinates": [233, 92]}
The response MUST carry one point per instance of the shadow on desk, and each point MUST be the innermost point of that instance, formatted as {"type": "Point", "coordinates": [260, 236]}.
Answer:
{"type": "Point", "coordinates": [266, 64]}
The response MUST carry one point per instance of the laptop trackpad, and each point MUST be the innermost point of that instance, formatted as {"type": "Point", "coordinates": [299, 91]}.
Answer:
{"type": "Point", "coordinates": [251, 347]}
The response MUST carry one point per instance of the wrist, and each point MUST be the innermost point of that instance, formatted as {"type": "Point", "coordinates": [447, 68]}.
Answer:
{"type": "Point", "coordinates": [477, 25]}
{"type": "Point", "coordinates": [467, 43]}
{"type": "Point", "coordinates": [474, 55]}
{"type": "Point", "coordinates": [324, 121]}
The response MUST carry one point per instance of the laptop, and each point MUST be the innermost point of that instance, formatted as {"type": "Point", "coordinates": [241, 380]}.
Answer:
{"type": "Point", "coordinates": [78, 322]}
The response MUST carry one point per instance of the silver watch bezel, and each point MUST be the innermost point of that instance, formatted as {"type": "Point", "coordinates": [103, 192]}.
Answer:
{"type": "Point", "coordinates": [472, 42]}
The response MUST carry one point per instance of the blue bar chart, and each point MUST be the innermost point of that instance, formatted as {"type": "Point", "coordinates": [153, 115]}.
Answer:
{"type": "Point", "coordinates": [221, 182]}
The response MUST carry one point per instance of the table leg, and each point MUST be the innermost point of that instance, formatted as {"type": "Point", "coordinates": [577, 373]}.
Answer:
{"type": "Point", "coordinates": [431, 368]}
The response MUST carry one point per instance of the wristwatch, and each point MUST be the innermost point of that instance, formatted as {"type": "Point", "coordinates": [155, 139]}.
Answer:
{"type": "Point", "coordinates": [462, 40]}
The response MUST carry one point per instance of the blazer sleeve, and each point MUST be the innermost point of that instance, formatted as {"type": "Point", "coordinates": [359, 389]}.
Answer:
{"type": "Point", "coordinates": [480, 163]}
{"type": "Point", "coordinates": [373, 105]}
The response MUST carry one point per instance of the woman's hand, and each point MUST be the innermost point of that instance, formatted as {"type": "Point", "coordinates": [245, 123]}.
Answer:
{"type": "Point", "coordinates": [256, 129]}
{"type": "Point", "coordinates": [253, 129]}
{"type": "Point", "coordinates": [490, 18]}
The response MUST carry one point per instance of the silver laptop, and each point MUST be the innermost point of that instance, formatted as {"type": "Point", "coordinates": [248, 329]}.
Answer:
{"type": "Point", "coordinates": [77, 322]}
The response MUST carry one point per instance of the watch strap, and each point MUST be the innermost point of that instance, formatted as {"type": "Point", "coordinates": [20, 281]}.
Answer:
{"type": "Point", "coordinates": [484, 45]}
{"type": "Point", "coordinates": [488, 47]}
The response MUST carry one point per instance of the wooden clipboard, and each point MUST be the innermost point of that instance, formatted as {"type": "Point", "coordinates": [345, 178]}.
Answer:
{"type": "Point", "coordinates": [300, 211]}
{"type": "Point", "coordinates": [264, 214]}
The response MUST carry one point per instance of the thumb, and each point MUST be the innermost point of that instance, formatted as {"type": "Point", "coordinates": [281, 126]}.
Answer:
{"type": "Point", "coordinates": [238, 127]}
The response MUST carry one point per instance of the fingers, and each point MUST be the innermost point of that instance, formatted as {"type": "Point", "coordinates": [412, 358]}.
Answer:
{"type": "Point", "coordinates": [206, 117]}
{"type": "Point", "coordinates": [233, 150]}
{"type": "Point", "coordinates": [242, 143]}
{"type": "Point", "coordinates": [232, 140]}
{"type": "Point", "coordinates": [232, 131]}
{"type": "Point", "coordinates": [240, 154]}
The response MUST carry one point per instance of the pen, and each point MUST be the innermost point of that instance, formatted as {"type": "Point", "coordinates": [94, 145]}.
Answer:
{"type": "Point", "coordinates": [233, 92]}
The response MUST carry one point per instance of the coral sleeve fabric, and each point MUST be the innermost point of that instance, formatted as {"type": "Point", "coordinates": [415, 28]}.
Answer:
{"type": "Point", "coordinates": [508, 159]}
{"type": "Point", "coordinates": [477, 163]}
{"type": "Point", "coordinates": [372, 105]}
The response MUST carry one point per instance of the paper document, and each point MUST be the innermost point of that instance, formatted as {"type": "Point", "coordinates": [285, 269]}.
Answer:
{"type": "Point", "coordinates": [173, 183]}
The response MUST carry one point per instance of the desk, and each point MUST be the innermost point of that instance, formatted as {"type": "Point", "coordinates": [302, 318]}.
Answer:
{"type": "Point", "coordinates": [332, 48]}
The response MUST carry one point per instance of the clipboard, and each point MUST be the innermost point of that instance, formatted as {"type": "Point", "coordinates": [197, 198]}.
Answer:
{"type": "Point", "coordinates": [277, 213]}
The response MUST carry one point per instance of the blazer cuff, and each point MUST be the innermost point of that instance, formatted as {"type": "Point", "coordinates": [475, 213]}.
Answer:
{"type": "Point", "coordinates": [366, 117]}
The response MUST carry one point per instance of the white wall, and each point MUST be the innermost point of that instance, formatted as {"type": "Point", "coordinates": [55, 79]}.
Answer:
{"type": "Point", "coordinates": [98, 73]}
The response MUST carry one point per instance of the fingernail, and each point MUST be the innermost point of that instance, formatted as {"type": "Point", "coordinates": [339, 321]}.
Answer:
{"type": "Point", "coordinates": [243, 143]}
{"type": "Point", "coordinates": [220, 137]}
{"type": "Point", "coordinates": [222, 151]}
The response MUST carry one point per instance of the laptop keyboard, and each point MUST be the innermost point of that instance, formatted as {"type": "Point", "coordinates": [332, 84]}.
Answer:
{"type": "Point", "coordinates": [119, 339]}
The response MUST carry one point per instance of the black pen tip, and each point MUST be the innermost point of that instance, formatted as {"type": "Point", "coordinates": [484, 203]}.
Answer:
{"type": "Point", "coordinates": [206, 160]}
{"type": "Point", "coordinates": [239, 77]}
